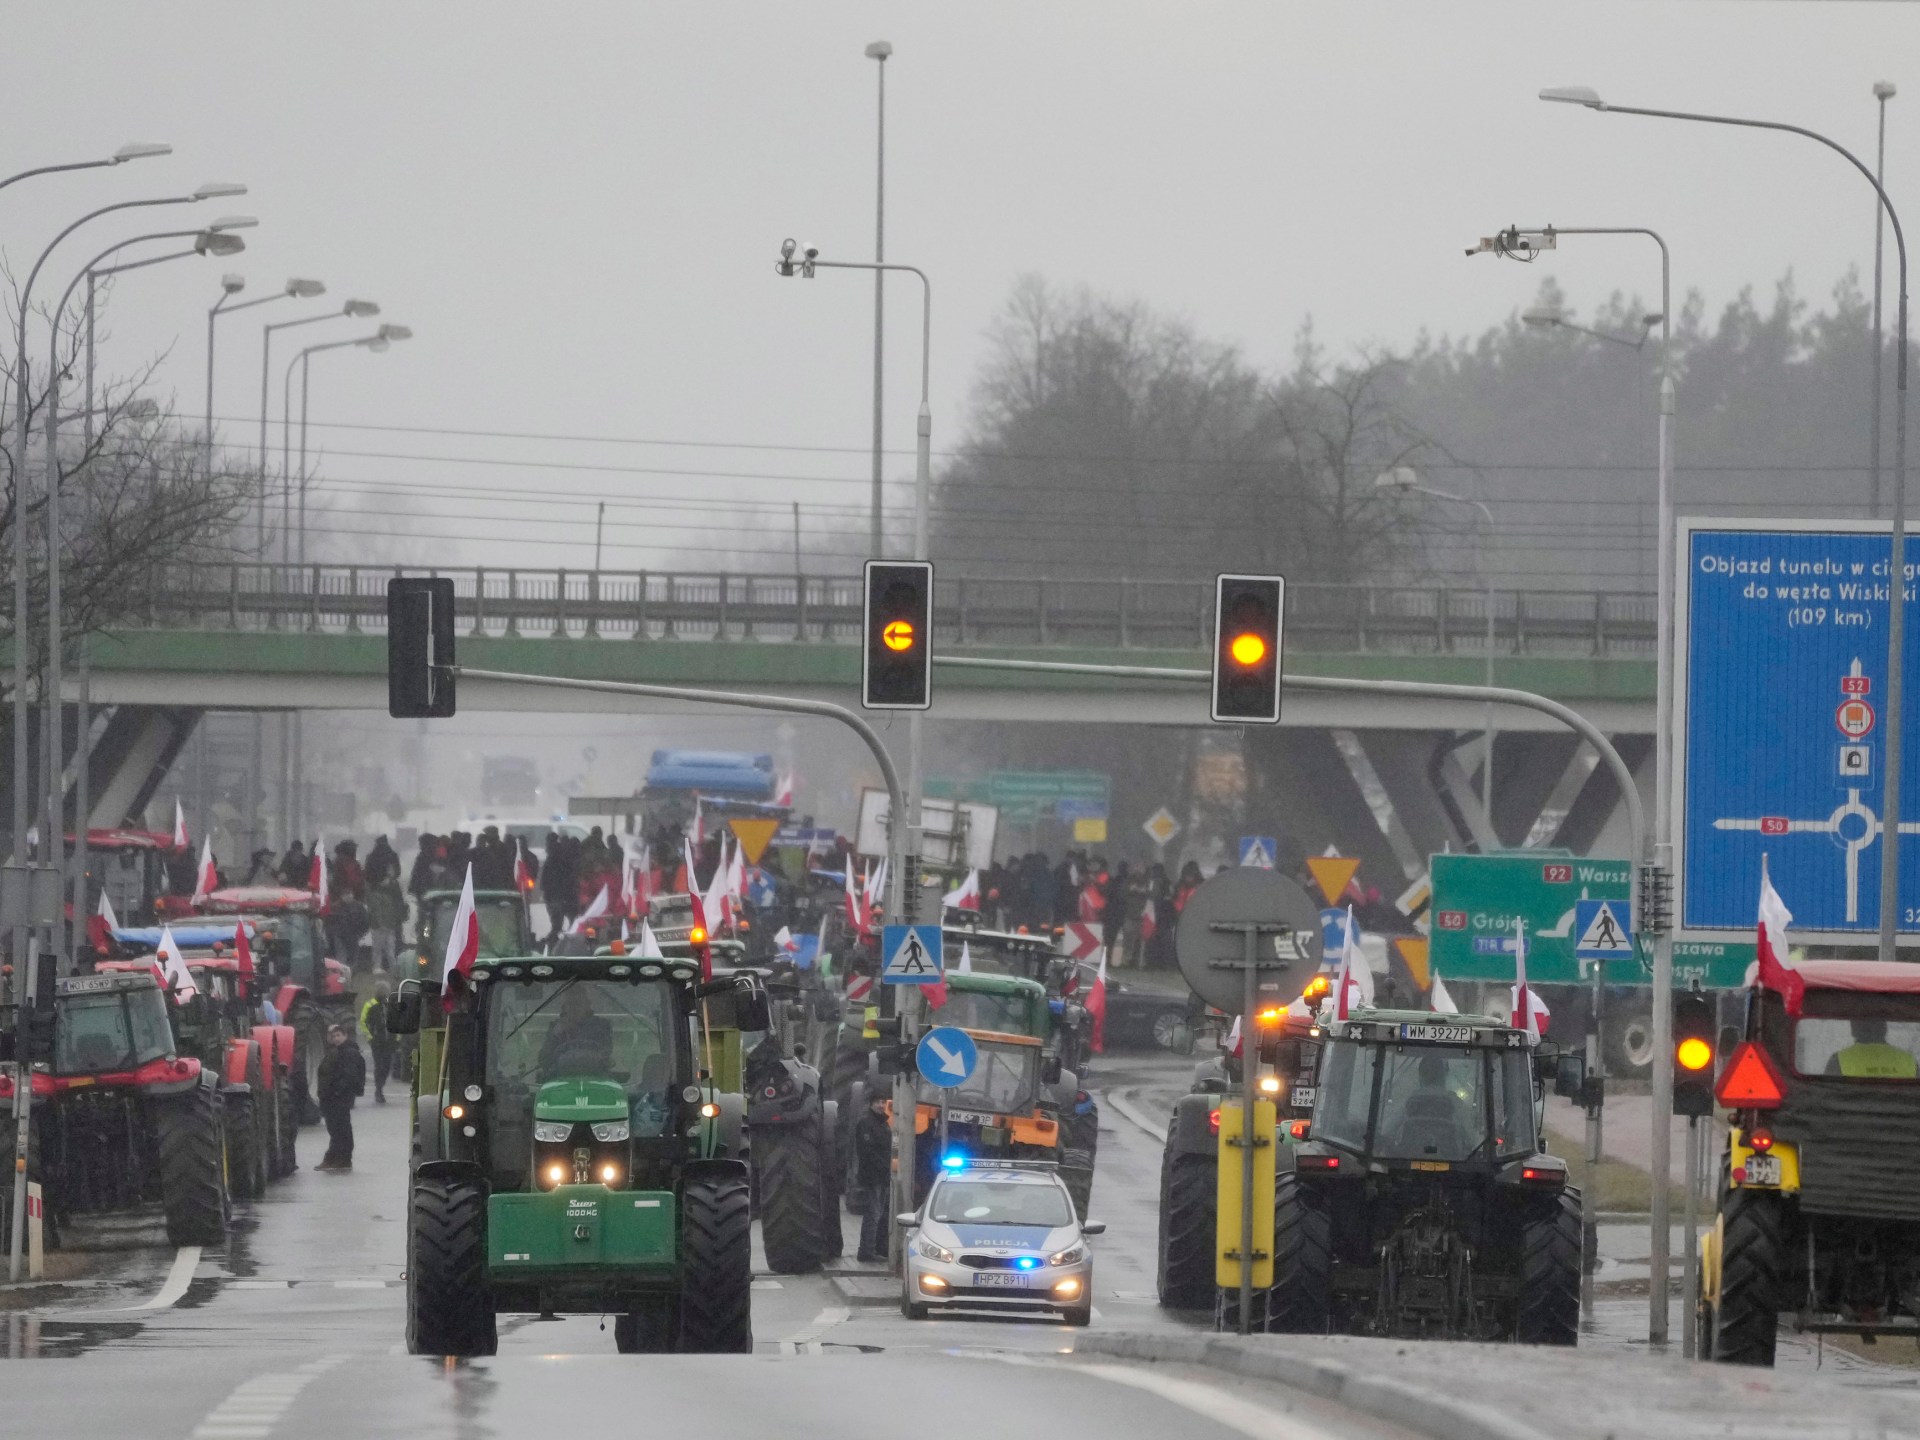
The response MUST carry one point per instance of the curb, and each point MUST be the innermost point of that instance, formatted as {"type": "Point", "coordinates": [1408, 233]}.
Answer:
{"type": "Point", "coordinates": [1425, 1411]}
{"type": "Point", "coordinates": [867, 1289]}
{"type": "Point", "coordinates": [1120, 1102]}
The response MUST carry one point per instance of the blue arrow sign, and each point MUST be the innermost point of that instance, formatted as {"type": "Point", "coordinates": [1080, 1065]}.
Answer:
{"type": "Point", "coordinates": [946, 1057]}
{"type": "Point", "coordinates": [913, 954]}
{"type": "Point", "coordinates": [1333, 933]}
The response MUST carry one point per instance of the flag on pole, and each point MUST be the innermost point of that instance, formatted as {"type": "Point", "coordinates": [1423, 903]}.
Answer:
{"type": "Point", "coordinates": [592, 912]}
{"type": "Point", "coordinates": [1149, 922]}
{"type": "Point", "coordinates": [649, 943]}
{"type": "Point", "coordinates": [966, 896]}
{"type": "Point", "coordinates": [101, 925]}
{"type": "Point", "coordinates": [243, 949]}
{"type": "Point", "coordinates": [522, 877]}
{"type": "Point", "coordinates": [463, 940]}
{"type": "Point", "coordinates": [783, 792]}
{"type": "Point", "coordinates": [180, 841]}
{"type": "Point", "coordinates": [1439, 1001]}
{"type": "Point", "coordinates": [317, 878]}
{"type": "Point", "coordinates": [173, 968]}
{"type": "Point", "coordinates": [1359, 972]}
{"type": "Point", "coordinates": [1096, 1003]}
{"type": "Point", "coordinates": [1771, 970]}
{"type": "Point", "coordinates": [1529, 1010]}
{"type": "Point", "coordinates": [106, 912]}
{"type": "Point", "coordinates": [856, 912]}
{"type": "Point", "coordinates": [783, 937]}
{"type": "Point", "coordinates": [206, 879]}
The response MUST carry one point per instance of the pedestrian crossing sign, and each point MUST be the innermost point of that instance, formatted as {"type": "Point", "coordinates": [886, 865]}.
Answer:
{"type": "Point", "coordinates": [1257, 851]}
{"type": "Point", "coordinates": [1601, 926]}
{"type": "Point", "coordinates": [913, 955]}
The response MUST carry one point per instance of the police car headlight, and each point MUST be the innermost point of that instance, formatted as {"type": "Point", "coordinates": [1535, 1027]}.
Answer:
{"type": "Point", "coordinates": [930, 1251]}
{"type": "Point", "coordinates": [1072, 1255]}
{"type": "Point", "coordinates": [552, 1132]}
{"type": "Point", "coordinates": [611, 1130]}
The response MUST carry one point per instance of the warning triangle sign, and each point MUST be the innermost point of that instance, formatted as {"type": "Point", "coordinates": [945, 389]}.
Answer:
{"type": "Point", "coordinates": [1332, 873]}
{"type": "Point", "coordinates": [753, 836]}
{"type": "Point", "coordinates": [1413, 950]}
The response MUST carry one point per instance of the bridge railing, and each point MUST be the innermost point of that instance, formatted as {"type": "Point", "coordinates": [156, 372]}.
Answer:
{"type": "Point", "coordinates": [1127, 614]}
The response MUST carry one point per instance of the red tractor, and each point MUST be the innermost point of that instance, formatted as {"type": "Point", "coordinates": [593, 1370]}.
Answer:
{"type": "Point", "coordinates": [133, 869]}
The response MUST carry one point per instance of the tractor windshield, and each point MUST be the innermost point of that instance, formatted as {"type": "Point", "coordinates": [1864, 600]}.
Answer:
{"type": "Point", "coordinates": [973, 1010]}
{"type": "Point", "coordinates": [1006, 1081]}
{"type": "Point", "coordinates": [1858, 1036]}
{"type": "Point", "coordinates": [120, 1030]}
{"type": "Point", "coordinates": [501, 932]}
{"type": "Point", "coordinates": [1426, 1102]}
{"type": "Point", "coordinates": [609, 1029]}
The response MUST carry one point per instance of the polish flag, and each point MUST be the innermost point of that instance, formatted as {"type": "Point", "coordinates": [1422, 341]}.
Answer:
{"type": "Point", "coordinates": [783, 937]}
{"type": "Point", "coordinates": [243, 950]}
{"type": "Point", "coordinates": [180, 841]}
{"type": "Point", "coordinates": [1149, 922]}
{"type": "Point", "coordinates": [936, 993]}
{"type": "Point", "coordinates": [693, 870]}
{"type": "Point", "coordinates": [966, 897]}
{"type": "Point", "coordinates": [783, 792]}
{"type": "Point", "coordinates": [1096, 1005]}
{"type": "Point", "coordinates": [592, 912]}
{"type": "Point", "coordinates": [463, 941]}
{"type": "Point", "coordinates": [206, 879]}
{"type": "Point", "coordinates": [856, 912]}
{"type": "Point", "coordinates": [699, 836]}
{"type": "Point", "coordinates": [317, 879]}
{"type": "Point", "coordinates": [101, 925]}
{"type": "Point", "coordinates": [1772, 972]}
{"type": "Point", "coordinates": [1439, 1001]}
{"type": "Point", "coordinates": [1232, 1043]}
{"type": "Point", "coordinates": [105, 912]}
{"type": "Point", "coordinates": [1529, 1010]}
{"type": "Point", "coordinates": [173, 968]}
{"type": "Point", "coordinates": [625, 933]}
{"type": "Point", "coordinates": [1355, 983]}
{"type": "Point", "coordinates": [522, 880]}
{"type": "Point", "coordinates": [649, 944]}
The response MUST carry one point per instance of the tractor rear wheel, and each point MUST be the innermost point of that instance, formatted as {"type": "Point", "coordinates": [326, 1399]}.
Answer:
{"type": "Point", "coordinates": [248, 1175]}
{"type": "Point", "coordinates": [788, 1162]}
{"type": "Point", "coordinates": [449, 1308]}
{"type": "Point", "coordinates": [1185, 1270]}
{"type": "Point", "coordinates": [716, 1267]}
{"type": "Point", "coordinates": [193, 1166]}
{"type": "Point", "coordinates": [1300, 1301]}
{"type": "Point", "coordinates": [309, 1044]}
{"type": "Point", "coordinates": [1550, 1249]}
{"type": "Point", "coordinates": [286, 1121]}
{"type": "Point", "coordinates": [1752, 1257]}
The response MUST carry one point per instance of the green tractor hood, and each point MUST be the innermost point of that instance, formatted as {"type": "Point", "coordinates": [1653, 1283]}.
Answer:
{"type": "Point", "coordinates": [580, 1100]}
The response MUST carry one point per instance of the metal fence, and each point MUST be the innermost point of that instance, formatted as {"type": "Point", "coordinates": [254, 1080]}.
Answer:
{"type": "Point", "coordinates": [1125, 614]}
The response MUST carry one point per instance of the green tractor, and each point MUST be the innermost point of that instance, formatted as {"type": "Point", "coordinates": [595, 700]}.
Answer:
{"type": "Point", "coordinates": [573, 1152]}
{"type": "Point", "coordinates": [506, 927]}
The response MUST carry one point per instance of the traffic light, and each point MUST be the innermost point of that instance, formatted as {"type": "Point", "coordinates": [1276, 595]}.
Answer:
{"type": "Point", "coordinates": [896, 669]}
{"type": "Point", "coordinates": [1248, 616]}
{"type": "Point", "coordinates": [420, 648]}
{"type": "Point", "coordinates": [1693, 1054]}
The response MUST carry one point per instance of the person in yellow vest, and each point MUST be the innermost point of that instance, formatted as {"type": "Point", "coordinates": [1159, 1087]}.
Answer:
{"type": "Point", "coordinates": [1870, 1057]}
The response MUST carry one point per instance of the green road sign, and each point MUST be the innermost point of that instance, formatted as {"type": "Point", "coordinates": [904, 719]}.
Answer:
{"type": "Point", "coordinates": [1478, 898]}
{"type": "Point", "coordinates": [1042, 787]}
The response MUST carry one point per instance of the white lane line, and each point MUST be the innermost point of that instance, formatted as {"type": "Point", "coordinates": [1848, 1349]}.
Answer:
{"type": "Point", "coordinates": [255, 1406]}
{"type": "Point", "coordinates": [1220, 1406]}
{"type": "Point", "coordinates": [1118, 1099]}
{"type": "Point", "coordinates": [185, 1261]}
{"type": "Point", "coordinates": [360, 1284]}
{"type": "Point", "coordinates": [828, 1318]}
{"type": "Point", "coordinates": [259, 1284]}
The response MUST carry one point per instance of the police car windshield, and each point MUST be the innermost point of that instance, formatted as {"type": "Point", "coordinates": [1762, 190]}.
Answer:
{"type": "Point", "coordinates": [999, 1202]}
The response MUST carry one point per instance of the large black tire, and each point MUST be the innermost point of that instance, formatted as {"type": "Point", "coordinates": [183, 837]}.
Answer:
{"type": "Point", "coordinates": [716, 1267]}
{"type": "Point", "coordinates": [247, 1164]}
{"type": "Point", "coordinates": [1188, 1186]}
{"type": "Point", "coordinates": [449, 1307]}
{"type": "Point", "coordinates": [1548, 1310]}
{"type": "Point", "coordinates": [646, 1330]}
{"type": "Point", "coordinates": [286, 1119]}
{"type": "Point", "coordinates": [1752, 1259]}
{"type": "Point", "coordinates": [788, 1161]}
{"type": "Point", "coordinates": [1080, 1145]}
{"type": "Point", "coordinates": [309, 1045]}
{"type": "Point", "coordinates": [193, 1166]}
{"type": "Point", "coordinates": [1301, 1298]}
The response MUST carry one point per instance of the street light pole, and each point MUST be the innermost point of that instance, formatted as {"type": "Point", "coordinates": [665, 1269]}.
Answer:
{"type": "Point", "coordinates": [878, 51]}
{"type": "Point", "coordinates": [1897, 570]}
{"type": "Point", "coordinates": [1883, 91]}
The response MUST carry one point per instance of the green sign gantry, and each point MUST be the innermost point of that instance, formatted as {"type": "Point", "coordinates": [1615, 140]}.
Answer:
{"type": "Point", "coordinates": [1478, 901]}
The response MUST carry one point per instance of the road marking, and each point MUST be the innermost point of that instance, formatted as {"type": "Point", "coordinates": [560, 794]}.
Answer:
{"type": "Point", "coordinates": [1221, 1407]}
{"type": "Point", "coordinates": [185, 1261]}
{"type": "Point", "coordinates": [1119, 1101]}
{"type": "Point", "coordinates": [361, 1284]}
{"type": "Point", "coordinates": [254, 1407]}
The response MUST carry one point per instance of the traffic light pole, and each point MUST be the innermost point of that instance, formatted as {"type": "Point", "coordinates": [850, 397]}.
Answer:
{"type": "Point", "coordinates": [1689, 1312]}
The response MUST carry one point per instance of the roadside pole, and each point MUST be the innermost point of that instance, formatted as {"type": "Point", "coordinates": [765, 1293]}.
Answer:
{"type": "Point", "coordinates": [1250, 965]}
{"type": "Point", "coordinates": [1595, 1103]}
{"type": "Point", "coordinates": [1690, 1261]}
{"type": "Point", "coordinates": [23, 989]}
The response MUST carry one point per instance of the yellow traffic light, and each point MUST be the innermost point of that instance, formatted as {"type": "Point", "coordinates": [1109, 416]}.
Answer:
{"type": "Point", "coordinates": [898, 635]}
{"type": "Point", "coordinates": [1693, 1053]}
{"type": "Point", "coordinates": [1248, 648]}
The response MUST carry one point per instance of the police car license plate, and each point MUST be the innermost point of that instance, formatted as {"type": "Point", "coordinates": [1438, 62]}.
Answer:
{"type": "Point", "coordinates": [971, 1117]}
{"type": "Point", "coordinates": [999, 1280]}
{"type": "Point", "coordinates": [1449, 1034]}
{"type": "Point", "coordinates": [1763, 1170]}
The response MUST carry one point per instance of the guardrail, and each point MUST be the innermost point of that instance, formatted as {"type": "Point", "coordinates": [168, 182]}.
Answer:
{"type": "Point", "coordinates": [1124, 614]}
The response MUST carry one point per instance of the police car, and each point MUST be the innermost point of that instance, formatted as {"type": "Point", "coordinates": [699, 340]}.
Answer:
{"type": "Point", "coordinates": [998, 1235]}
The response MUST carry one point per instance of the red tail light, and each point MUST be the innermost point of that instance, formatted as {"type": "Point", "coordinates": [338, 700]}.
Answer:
{"type": "Point", "coordinates": [1751, 1080]}
{"type": "Point", "coordinates": [1760, 1141]}
{"type": "Point", "coordinates": [1213, 1121]}
{"type": "Point", "coordinates": [1539, 1175]}
{"type": "Point", "coordinates": [1318, 1162]}
{"type": "Point", "coordinates": [1298, 1128]}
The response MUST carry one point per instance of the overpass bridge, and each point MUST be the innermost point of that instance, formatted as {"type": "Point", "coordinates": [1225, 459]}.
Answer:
{"type": "Point", "coordinates": [254, 637]}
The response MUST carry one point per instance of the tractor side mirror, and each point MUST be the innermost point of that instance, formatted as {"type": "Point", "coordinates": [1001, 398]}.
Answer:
{"type": "Point", "coordinates": [1570, 1075]}
{"type": "Point", "coordinates": [403, 1012]}
{"type": "Point", "coordinates": [751, 1009]}
{"type": "Point", "coordinates": [1050, 1069]}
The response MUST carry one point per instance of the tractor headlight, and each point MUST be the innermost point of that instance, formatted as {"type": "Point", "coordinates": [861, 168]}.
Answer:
{"type": "Point", "coordinates": [611, 1130]}
{"type": "Point", "coordinates": [552, 1132]}
{"type": "Point", "coordinates": [928, 1250]}
{"type": "Point", "coordinates": [1072, 1255]}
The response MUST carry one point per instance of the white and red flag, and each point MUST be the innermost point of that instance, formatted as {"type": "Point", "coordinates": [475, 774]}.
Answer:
{"type": "Point", "coordinates": [1530, 1012]}
{"type": "Point", "coordinates": [522, 877]}
{"type": "Point", "coordinates": [857, 916]}
{"type": "Point", "coordinates": [243, 949]}
{"type": "Point", "coordinates": [105, 911]}
{"type": "Point", "coordinates": [599, 907]}
{"type": "Point", "coordinates": [1149, 922]}
{"type": "Point", "coordinates": [206, 878]}
{"type": "Point", "coordinates": [1771, 970]}
{"type": "Point", "coordinates": [317, 880]}
{"type": "Point", "coordinates": [173, 968]}
{"type": "Point", "coordinates": [1096, 1003]}
{"type": "Point", "coordinates": [965, 896]}
{"type": "Point", "coordinates": [180, 841]}
{"type": "Point", "coordinates": [649, 944]}
{"type": "Point", "coordinates": [1439, 1001]}
{"type": "Point", "coordinates": [463, 940]}
{"type": "Point", "coordinates": [783, 937]}
{"type": "Point", "coordinates": [783, 792]}
{"type": "Point", "coordinates": [101, 925]}
{"type": "Point", "coordinates": [1355, 983]}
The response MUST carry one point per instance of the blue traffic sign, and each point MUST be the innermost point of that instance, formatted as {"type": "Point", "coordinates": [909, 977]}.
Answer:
{"type": "Point", "coordinates": [1600, 930]}
{"type": "Point", "coordinates": [946, 1057]}
{"type": "Point", "coordinates": [911, 954]}
{"type": "Point", "coordinates": [1333, 932]}
{"type": "Point", "coordinates": [1257, 851]}
{"type": "Point", "coordinates": [1782, 684]}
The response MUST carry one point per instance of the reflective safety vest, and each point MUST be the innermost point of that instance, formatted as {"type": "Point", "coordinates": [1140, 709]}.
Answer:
{"type": "Point", "coordinates": [1876, 1060]}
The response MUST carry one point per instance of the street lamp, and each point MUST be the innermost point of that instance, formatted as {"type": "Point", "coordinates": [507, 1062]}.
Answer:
{"type": "Point", "coordinates": [302, 290]}
{"type": "Point", "coordinates": [1405, 480]}
{"type": "Point", "coordinates": [878, 52]}
{"type": "Point", "coordinates": [1554, 320]}
{"type": "Point", "coordinates": [137, 150]}
{"type": "Point", "coordinates": [1883, 91]}
{"type": "Point", "coordinates": [1896, 607]}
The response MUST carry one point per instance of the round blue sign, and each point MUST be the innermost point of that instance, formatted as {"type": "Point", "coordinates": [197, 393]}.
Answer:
{"type": "Point", "coordinates": [946, 1057]}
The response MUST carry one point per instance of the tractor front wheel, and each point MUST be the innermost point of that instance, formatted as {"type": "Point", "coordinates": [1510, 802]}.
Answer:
{"type": "Point", "coordinates": [716, 1266]}
{"type": "Point", "coordinates": [788, 1162]}
{"type": "Point", "coordinates": [1187, 1191]}
{"type": "Point", "coordinates": [449, 1308]}
{"type": "Point", "coordinates": [1752, 1257]}
{"type": "Point", "coordinates": [193, 1167]}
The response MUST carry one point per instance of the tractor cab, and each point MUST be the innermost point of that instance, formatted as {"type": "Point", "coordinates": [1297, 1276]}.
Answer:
{"type": "Point", "coordinates": [506, 928]}
{"type": "Point", "coordinates": [133, 870]}
{"type": "Point", "coordinates": [287, 929]}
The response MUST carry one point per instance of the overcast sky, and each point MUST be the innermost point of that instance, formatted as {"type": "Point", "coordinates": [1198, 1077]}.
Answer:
{"type": "Point", "coordinates": [576, 206]}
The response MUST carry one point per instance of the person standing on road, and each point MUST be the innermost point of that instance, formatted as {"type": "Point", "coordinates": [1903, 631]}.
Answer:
{"type": "Point", "coordinates": [343, 1075]}
{"type": "Point", "coordinates": [373, 1025]}
{"type": "Point", "coordinates": [873, 1174]}
{"type": "Point", "coordinates": [386, 915]}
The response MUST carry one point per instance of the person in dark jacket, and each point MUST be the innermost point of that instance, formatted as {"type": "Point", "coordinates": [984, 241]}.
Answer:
{"type": "Point", "coordinates": [343, 1075]}
{"type": "Point", "coordinates": [873, 1173]}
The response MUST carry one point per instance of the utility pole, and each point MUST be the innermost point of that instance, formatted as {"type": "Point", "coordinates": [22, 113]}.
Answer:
{"type": "Point", "coordinates": [878, 51]}
{"type": "Point", "coordinates": [1883, 91]}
